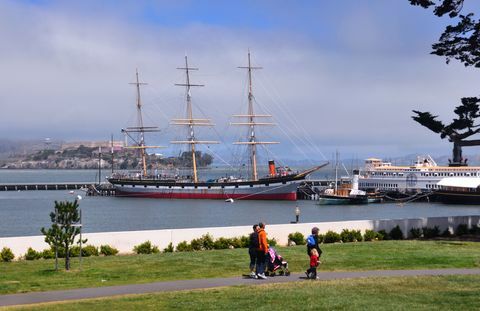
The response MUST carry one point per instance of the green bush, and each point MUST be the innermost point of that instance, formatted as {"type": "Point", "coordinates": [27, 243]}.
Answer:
{"type": "Point", "coordinates": [272, 242]}
{"type": "Point", "coordinates": [369, 235]}
{"type": "Point", "coordinates": [350, 235]}
{"type": "Point", "coordinates": [446, 233]}
{"type": "Point", "coordinates": [184, 247]}
{"type": "Point", "coordinates": [221, 243]}
{"type": "Point", "coordinates": [331, 237]}
{"type": "Point", "coordinates": [6, 254]}
{"type": "Point", "coordinates": [236, 242]}
{"type": "Point", "coordinates": [415, 233]}
{"type": "Point", "coordinates": [32, 254]}
{"type": "Point", "coordinates": [146, 248]}
{"type": "Point", "coordinates": [474, 230]}
{"type": "Point", "coordinates": [429, 233]}
{"type": "Point", "coordinates": [107, 250]}
{"type": "Point", "coordinates": [320, 238]}
{"type": "Point", "coordinates": [196, 244]}
{"type": "Point", "coordinates": [169, 248]}
{"type": "Point", "coordinates": [383, 234]}
{"type": "Point", "coordinates": [203, 243]}
{"type": "Point", "coordinates": [245, 241]}
{"type": "Point", "coordinates": [396, 233]}
{"type": "Point", "coordinates": [298, 238]}
{"type": "Point", "coordinates": [462, 229]}
{"type": "Point", "coordinates": [48, 253]}
{"type": "Point", "coordinates": [89, 250]}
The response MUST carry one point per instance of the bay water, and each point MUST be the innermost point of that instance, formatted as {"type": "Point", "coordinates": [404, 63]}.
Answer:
{"type": "Point", "coordinates": [23, 213]}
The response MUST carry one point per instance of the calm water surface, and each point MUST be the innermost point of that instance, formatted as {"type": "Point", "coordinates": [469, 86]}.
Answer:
{"type": "Point", "coordinates": [24, 213]}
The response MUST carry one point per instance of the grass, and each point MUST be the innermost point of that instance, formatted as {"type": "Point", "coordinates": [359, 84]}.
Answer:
{"type": "Point", "coordinates": [412, 293]}
{"type": "Point", "coordinates": [28, 276]}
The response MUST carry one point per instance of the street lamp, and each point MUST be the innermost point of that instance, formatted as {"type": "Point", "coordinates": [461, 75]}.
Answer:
{"type": "Point", "coordinates": [79, 224]}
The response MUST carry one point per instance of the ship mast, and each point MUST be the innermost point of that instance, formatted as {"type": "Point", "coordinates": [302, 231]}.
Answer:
{"type": "Point", "coordinates": [190, 121]}
{"type": "Point", "coordinates": [251, 123]}
{"type": "Point", "coordinates": [140, 129]}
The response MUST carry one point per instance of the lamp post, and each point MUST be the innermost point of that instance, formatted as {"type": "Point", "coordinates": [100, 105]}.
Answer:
{"type": "Point", "coordinates": [79, 224]}
{"type": "Point", "coordinates": [56, 239]}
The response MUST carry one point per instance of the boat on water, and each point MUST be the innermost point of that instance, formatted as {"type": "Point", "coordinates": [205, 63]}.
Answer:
{"type": "Point", "coordinates": [422, 176]}
{"type": "Point", "coordinates": [280, 184]}
{"type": "Point", "coordinates": [345, 193]}
{"type": "Point", "coordinates": [458, 190]}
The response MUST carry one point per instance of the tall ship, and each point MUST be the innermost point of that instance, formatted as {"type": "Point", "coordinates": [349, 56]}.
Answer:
{"type": "Point", "coordinates": [422, 176]}
{"type": "Point", "coordinates": [281, 183]}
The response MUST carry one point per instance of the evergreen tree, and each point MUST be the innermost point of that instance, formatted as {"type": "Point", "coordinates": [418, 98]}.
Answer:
{"type": "Point", "coordinates": [460, 42]}
{"type": "Point", "coordinates": [62, 233]}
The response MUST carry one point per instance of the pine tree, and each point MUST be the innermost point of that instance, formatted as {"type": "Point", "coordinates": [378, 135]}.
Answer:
{"type": "Point", "coordinates": [460, 42]}
{"type": "Point", "coordinates": [62, 233]}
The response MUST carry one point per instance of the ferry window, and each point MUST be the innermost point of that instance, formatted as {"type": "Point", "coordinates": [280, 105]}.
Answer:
{"type": "Point", "coordinates": [145, 186]}
{"type": "Point", "coordinates": [436, 174]}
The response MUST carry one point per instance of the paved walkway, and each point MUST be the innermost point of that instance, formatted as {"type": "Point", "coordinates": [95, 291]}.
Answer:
{"type": "Point", "coordinates": [85, 293]}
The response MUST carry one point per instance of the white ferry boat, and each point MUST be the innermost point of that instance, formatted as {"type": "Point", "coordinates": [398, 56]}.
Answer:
{"type": "Point", "coordinates": [422, 176]}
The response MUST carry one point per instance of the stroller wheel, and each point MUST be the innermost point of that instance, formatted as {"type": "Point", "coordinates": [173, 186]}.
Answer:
{"type": "Point", "coordinates": [281, 272]}
{"type": "Point", "coordinates": [272, 274]}
{"type": "Point", "coordinates": [267, 273]}
{"type": "Point", "coordinates": [287, 273]}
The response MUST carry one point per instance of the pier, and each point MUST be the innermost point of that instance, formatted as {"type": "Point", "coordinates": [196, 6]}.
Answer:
{"type": "Point", "coordinates": [90, 189]}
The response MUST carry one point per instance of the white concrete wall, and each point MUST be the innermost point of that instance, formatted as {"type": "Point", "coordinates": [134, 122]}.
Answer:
{"type": "Point", "coordinates": [125, 241]}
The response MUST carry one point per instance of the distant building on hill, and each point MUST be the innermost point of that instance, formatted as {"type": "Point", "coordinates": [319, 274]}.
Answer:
{"type": "Point", "coordinates": [104, 145]}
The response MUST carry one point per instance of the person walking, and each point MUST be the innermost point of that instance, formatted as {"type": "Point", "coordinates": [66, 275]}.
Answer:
{"type": "Point", "coordinates": [312, 243]}
{"type": "Point", "coordinates": [314, 261]}
{"type": "Point", "coordinates": [252, 250]}
{"type": "Point", "coordinates": [262, 251]}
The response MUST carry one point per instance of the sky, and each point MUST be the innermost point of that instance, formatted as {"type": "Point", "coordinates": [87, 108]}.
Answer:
{"type": "Point", "coordinates": [337, 75]}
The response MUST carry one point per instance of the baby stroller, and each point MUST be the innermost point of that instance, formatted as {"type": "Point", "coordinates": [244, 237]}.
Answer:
{"type": "Point", "coordinates": [276, 262]}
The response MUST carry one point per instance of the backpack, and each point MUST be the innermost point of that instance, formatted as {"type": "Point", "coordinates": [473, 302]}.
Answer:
{"type": "Point", "coordinates": [311, 240]}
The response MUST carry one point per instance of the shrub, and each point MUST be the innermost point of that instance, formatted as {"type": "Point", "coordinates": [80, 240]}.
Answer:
{"type": "Point", "coordinates": [272, 242]}
{"type": "Point", "coordinates": [196, 244]}
{"type": "Point", "coordinates": [298, 238]}
{"type": "Point", "coordinates": [203, 243]}
{"type": "Point", "coordinates": [6, 254]}
{"type": "Point", "coordinates": [184, 247]}
{"type": "Point", "coordinates": [107, 250]}
{"type": "Point", "coordinates": [415, 233]}
{"type": "Point", "coordinates": [236, 242]}
{"type": "Point", "coordinates": [431, 232]}
{"type": "Point", "coordinates": [146, 248]}
{"type": "Point", "coordinates": [169, 248]}
{"type": "Point", "coordinates": [331, 237]}
{"type": "Point", "coordinates": [89, 250]}
{"type": "Point", "coordinates": [369, 235]}
{"type": "Point", "coordinates": [350, 235]}
{"type": "Point", "coordinates": [48, 253]}
{"type": "Point", "coordinates": [221, 243]}
{"type": "Point", "coordinates": [446, 233]}
{"type": "Point", "coordinates": [320, 238]}
{"type": "Point", "coordinates": [462, 229]}
{"type": "Point", "coordinates": [383, 235]}
{"type": "Point", "coordinates": [245, 241]}
{"type": "Point", "coordinates": [32, 254]}
{"type": "Point", "coordinates": [474, 230]}
{"type": "Point", "coordinates": [396, 233]}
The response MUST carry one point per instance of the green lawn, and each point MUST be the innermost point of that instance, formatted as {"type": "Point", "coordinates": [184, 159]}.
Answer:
{"type": "Point", "coordinates": [27, 276]}
{"type": "Point", "coordinates": [412, 293]}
